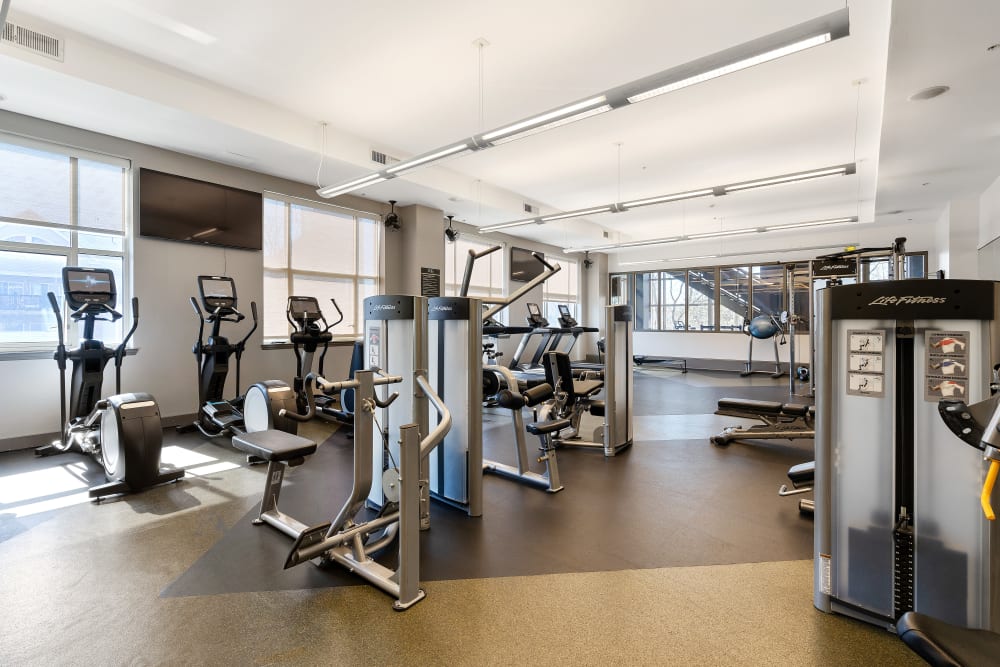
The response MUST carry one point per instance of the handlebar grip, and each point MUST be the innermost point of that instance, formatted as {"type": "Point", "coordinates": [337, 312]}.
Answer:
{"type": "Point", "coordinates": [135, 308]}
{"type": "Point", "coordinates": [294, 416]}
{"type": "Point", "coordinates": [984, 498]}
{"type": "Point", "coordinates": [253, 310]}
{"type": "Point", "coordinates": [387, 402]}
{"type": "Point", "coordinates": [54, 301]}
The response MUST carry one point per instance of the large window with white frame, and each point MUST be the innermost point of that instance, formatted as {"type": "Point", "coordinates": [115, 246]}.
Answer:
{"type": "Point", "coordinates": [59, 206]}
{"type": "Point", "coordinates": [319, 250]}
{"type": "Point", "coordinates": [562, 288]}
{"type": "Point", "coordinates": [487, 273]}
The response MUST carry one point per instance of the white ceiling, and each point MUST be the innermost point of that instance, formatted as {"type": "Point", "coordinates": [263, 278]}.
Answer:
{"type": "Point", "coordinates": [248, 82]}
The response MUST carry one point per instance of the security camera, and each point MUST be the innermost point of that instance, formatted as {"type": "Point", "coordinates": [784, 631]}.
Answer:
{"type": "Point", "coordinates": [587, 261]}
{"type": "Point", "coordinates": [451, 233]}
{"type": "Point", "coordinates": [392, 220]}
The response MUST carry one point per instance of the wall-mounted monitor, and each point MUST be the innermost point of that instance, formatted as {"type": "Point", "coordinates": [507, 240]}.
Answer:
{"type": "Point", "coordinates": [524, 266]}
{"type": "Point", "coordinates": [184, 209]}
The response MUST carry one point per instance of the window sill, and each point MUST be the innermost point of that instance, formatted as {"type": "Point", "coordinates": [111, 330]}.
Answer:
{"type": "Point", "coordinates": [23, 355]}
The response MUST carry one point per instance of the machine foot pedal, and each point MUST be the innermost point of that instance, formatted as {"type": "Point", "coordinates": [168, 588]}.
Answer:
{"type": "Point", "coordinates": [308, 537]}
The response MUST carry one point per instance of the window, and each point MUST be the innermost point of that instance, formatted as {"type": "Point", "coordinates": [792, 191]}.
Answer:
{"type": "Point", "coordinates": [562, 288]}
{"type": "Point", "coordinates": [734, 297]}
{"type": "Point", "coordinates": [768, 289]}
{"type": "Point", "coordinates": [487, 274]}
{"type": "Point", "coordinates": [58, 207]}
{"type": "Point", "coordinates": [313, 249]}
{"type": "Point", "coordinates": [701, 299]}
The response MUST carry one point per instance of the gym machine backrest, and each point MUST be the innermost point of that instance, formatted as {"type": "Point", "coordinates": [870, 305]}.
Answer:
{"type": "Point", "coordinates": [219, 301]}
{"type": "Point", "coordinates": [894, 528]}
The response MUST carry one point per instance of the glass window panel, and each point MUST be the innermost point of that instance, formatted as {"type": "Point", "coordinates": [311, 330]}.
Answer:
{"type": "Point", "coordinates": [768, 289]}
{"type": "Point", "coordinates": [701, 299]}
{"type": "Point", "coordinates": [275, 234]}
{"type": "Point", "coordinates": [25, 281]}
{"type": "Point", "coordinates": [800, 294]}
{"type": "Point", "coordinates": [915, 265]}
{"type": "Point", "coordinates": [647, 301]}
{"type": "Point", "coordinates": [674, 298]}
{"type": "Point", "coordinates": [325, 288]}
{"type": "Point", "coordinates": [17, 233]}
{"type": "Point", "coordinates": [368, 250]}
{"type": "Point", "coordinates": [111, 332]}
{"type": "Point", "coordinates": [101, 195]}
{"type": "Point", "coordinates": [875, 269]}
{"type": "Point", "coordinates": [734, 297]}
{"type": "Point", "coordinates": [322, 240]}
{"type": "Point", "coordinates": [276, 327]}
{"type": "Point", "coordinates": [110, 242]}
{"type": "Point", "coordinates": [35, 184]}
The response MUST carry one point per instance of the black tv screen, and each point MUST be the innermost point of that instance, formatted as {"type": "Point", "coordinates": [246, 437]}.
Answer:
{"type": "Point", "coordinates": [523, 265]}
{"type": "Point", "coordinates": [183, 209]}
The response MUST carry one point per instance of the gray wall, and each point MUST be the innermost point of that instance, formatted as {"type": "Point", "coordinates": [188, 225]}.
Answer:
{"type": "Point", "coordinates": [163, 279]}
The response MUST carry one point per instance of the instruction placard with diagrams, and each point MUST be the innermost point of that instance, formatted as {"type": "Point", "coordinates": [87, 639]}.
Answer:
{"type": "Point", "coordinates": [865, 362]}
{"type": "Point", "coordinates": [946, 365]}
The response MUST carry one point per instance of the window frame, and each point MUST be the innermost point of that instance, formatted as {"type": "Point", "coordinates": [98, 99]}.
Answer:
{"type": "Point", "coordinates": [72, 251]}
{"type": "Point", "coordinates": [287, 201]}
{"type": "Point", "coordinates": [556, 298]}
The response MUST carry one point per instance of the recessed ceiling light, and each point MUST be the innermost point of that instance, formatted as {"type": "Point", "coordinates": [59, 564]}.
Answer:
{"type": "Point", "coordinates": [929, 93]}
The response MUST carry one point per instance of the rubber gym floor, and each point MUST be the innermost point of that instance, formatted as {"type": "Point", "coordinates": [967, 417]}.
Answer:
{"type": "Point", "coordinates": [673, 552]}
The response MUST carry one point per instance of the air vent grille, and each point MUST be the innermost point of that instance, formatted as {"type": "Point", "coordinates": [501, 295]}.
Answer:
{"type": "Point", "coordinates": [34, 41]}
{"type": "Point", "coordinates": [528, 208]}
{"type": "Point", "coordinates": [383, 158]}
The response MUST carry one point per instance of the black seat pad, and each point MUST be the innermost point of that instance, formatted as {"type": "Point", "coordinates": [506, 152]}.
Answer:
{"type": "Point", "coordinates": [941, 643]}
{"type": "Point", "coordinates": [274, 445]}
{"type": "Point", "coordinates": [797, 409]}
{"type": "Point", "coordinates": [586, 387]}
{"type": "Point", "coordinates": [750, 405]}
{"type": "Point", "coordinates": [596, 408]}
{"type": "Point", "coordinates": [544, 428]}
{"type": "Point", "coordinates": [802, 474]}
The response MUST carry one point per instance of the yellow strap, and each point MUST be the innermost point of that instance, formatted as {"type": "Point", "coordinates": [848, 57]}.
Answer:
{"type": "Point", "coordinates": [984, 499]}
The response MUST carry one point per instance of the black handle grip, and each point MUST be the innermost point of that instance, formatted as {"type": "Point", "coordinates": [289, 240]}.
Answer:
{"type": "Point", "coordinates": [541, 259]}
{"type": "Point", "coordinates": [54, 302]}
{"type": "Point", "coordinates": [135, 308]}
{"type": "Point", "coordinates": [387, 402]}
{"type": "Point", "coordinates": [253, 310]}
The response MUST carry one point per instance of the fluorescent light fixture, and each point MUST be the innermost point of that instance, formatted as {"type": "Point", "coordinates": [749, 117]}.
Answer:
{"type": "Point", "coordinates": [618, 207]}
{"type": "Point", "coordinates": [554, 124]}
{"type": "Point", "coordinates": [712, 235]}
{"type": "Point", "coordinates": [746, 63]}
{"type": "Point", "coordinates": [842, 170]}
{"type": "Point", "coordinates": [691, 194]}
{"type": "Point", "coordinates": [667, 259]}
{"type": "Point", "coordinates": [424, 159]}
{"type": "Point", "coordinates": [334, 190]}
{"type": "Point", "coordinates": [576, 214]}
{"type": "Point", "coordinates": [724, 233]}
{"type": "Point", "coordinates": [813, 223]}
{"type": "Point", "coordinates": [541, 120]}
{"type": "Point", "coordinates": [785, 42]}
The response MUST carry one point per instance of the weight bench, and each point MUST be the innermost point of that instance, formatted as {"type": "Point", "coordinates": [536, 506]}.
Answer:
{"type": "Point", "coordinates": [780, 421]}
{"type": "Point", "coordinates": [281, 450]}
{"type": "Point", "coordinates": [946, 645]}
{"type": "Point", "coordinates": [801, 477]}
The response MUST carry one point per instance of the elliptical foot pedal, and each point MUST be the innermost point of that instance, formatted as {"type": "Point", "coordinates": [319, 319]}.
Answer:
{"type": "Point", "coordinates": [309, 537]}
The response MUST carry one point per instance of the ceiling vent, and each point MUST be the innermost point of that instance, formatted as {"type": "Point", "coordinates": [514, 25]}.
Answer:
{"type": "Point", "coordinates": [34, 41]}
{"type": "Point", "coordinates": [528, 208]}
{"type": "Point", "coordinates": [383, 158]}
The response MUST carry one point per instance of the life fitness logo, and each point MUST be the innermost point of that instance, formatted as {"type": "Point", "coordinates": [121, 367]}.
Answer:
{"type": "Point", "coordinates": [906, 300]}
{"type": "Point", "coordinates": [829, 267]}
{"type": "Point", "coordinates": [383, 306]}
{"type": "Point", "coordinates": [439, 309]}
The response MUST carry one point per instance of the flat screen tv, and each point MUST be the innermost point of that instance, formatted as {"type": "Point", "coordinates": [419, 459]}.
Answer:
{"type": "Point", "coordinates": [523, 265]}
{"type": "Point", "coordinates": [183, 209]}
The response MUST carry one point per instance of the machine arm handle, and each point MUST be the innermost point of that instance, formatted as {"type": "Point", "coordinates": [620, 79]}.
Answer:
{"type": "Point", "coordinates": [541, 259]}
{"type": "Point", "coordinates": [469, 263]}
{"type": "Point", "coordinates": [984, 497]}
{"type": "Point", "coordinates": [54, 302]}
{"type": "Point", "coordinates": [310, 402]}
{"type": "Point", "coordinates": [441, 430]}
{"type": "Point", "coordinates": [61, 361]}
{"type": "Point", "coordinates": [340, 315]}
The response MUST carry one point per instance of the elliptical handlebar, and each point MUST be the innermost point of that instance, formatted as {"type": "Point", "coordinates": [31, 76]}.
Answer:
{"type": "Point", "coordinates": [120, 350]}
{"type": "Point", "coordinates": [340, 315]}
{"type": "Point", "coordinates": [60, 357]}
{"type": "Point", "coordinates": [332, 388]}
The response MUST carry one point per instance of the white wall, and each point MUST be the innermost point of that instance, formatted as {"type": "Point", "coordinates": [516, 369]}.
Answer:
{"type": "Point", "coordinates": [163, 279]}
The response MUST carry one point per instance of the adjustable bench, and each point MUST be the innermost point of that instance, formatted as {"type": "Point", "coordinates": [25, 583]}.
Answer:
{"type": "Point", "coordinates": [281, 450]}
{"type": "Point", "coordinates": [801, 476]}
{"type": "Point", "coordinates": [943, 644]}
{"type": "Point", "coordinates": [779, 420]}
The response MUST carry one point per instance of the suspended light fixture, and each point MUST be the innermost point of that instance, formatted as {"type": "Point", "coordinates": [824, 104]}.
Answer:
{"type": "Point", "coordinates": [785, 42]}
{"type": "Point", "coordinates": [717, 191]}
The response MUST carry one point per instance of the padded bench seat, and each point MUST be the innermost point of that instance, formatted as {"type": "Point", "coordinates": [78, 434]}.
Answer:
{"type": "Point", "coordinates": [750, 405]}
{"type": "Point", "coordinates": [941, 643]}
{"type": "Point", "coordinates": [803, 474]}
{"type": "Point", "coordinates": [586, 387]}
{"type": "Point", "coordinates": [544, 428]}
{"type": "Point", "coordinates": [274, 445]}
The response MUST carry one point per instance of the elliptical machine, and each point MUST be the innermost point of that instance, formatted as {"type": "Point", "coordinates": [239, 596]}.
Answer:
{"type": "Point", "coordinates": [312, 331]}
{"type": "Point", "coordinates": [260, 409]}
{"type": "Point", "coordinates": [122, 431]}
